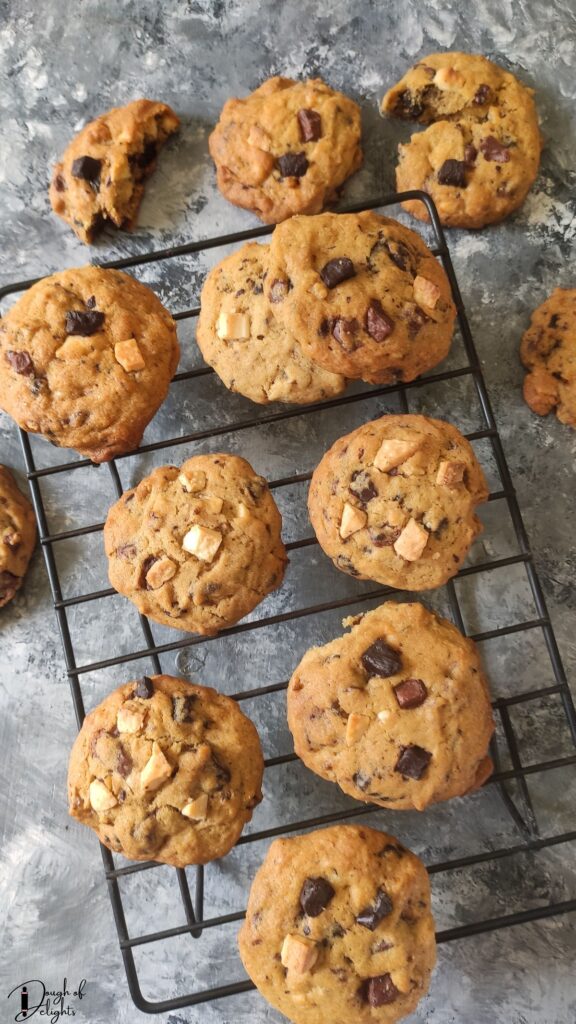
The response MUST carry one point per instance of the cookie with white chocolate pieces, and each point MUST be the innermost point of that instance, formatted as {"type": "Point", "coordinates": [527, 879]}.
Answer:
{"type": "Point", "coordinates": [286, 148]}
{"type": "Point", "coordinates": [339, 928]}
{"type": "Point", "coordinates": [86, 359]}
{"type": "Point", "coordinates": [548, 351]}
{"type": "Point", "coordinates": [166, 770]}
{"type": "Point", "coordinates": [196, 547]}
{"type": "Point", "coordinates": [363, 294]}
{"type": "Point", "coordinates": [481, 152]}
{"type": "Point", "coordinates": [17, 536]}
{"type": "Point", "coordinates": [395, 500]}
{"type": "Point", "coordinates": [397, 712]}
{"type": "Point", "coordinates": [100, 178]}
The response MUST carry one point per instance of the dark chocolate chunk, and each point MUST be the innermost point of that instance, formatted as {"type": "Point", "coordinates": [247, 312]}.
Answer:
{"type": "Point", "coordinates": [408, 106]}
{"type": "Point", "coordinates": [384, 538]}
{"type": "Point", "coordinates": [126, 551]}
{"type": "Point", "coordinates": [88, 169]}
{"type": "Point", "coordinates": [222, 775]}
{"type": "Point", "coordinates": [90, 302]}
{"type": "Point", "coordinates": [361, 780]}
{"type": "Point", "coordinates": [370, 917]}
{"type": "Point", "coordinates": [144, 688]}
{"type": "Point", "coordinates": [470, 154]}
{"type": "Point", "coordinates": [123, 762]}
{"type": "Point", "coordinates": [362, 486]}
{"type": "Point", "coordinates": [21, 362]}
{"type": "Point", "coordinates": [345, 331]}
{"type": "Point", "coordinates": [379, 991]}
{"type": "Point", "coordinates": [59, 183]}
{"type": "Point", "coordinates": [452, 172]}
{"type": "Point", "coordinates": [315, 896]}
{"type": "Point", "coordinates": [310, 124]}
{"type": "Point", "coordinates": [278, 290]}
{"type": "Point", "coordinates": [381, 660]}
{"type": "Point", "coordinates": [482, 95]}
{"type": "Point", "coordinates": [145, 567]}
{"type": "Point", "coordinates": [146, 157]}
{"type": "Point", "coordinates": [336, 271]}
{"type": "Point", "coordinates": [85, 324]}
{"type": "Point", "coordinates": [398, 253]}
{"type": "Point", "coordinates": [493, 150]}
{"type": "Point", "coordinates": [554, 320]}
{"type": "Point", "coordinates": [182, 708]}
{"type": "Point", "coordinates": [292, 165]}
{"type": "Point", "coordinates": [378, 325]}
{"type": "Point", "coordinates": [413, 761]}
{"type": "Point", "coordinates": [410, 693]}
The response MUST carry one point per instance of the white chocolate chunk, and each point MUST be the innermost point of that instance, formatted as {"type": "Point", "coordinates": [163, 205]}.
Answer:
{"type": "Point", "coordinates": [156, 770]}
{"type": "Point", "coordinates": [298, 955]}
{"type": "Point", "coordinates": [426, 293]}
{"type": "Point", "coordinates": [193, 482]}
{"type": "Point", "coordinates": [450, 473]}
{"type": "Point", "coordinates": [243, 511]}
{"type": "Point", "coordinates": [202, 542]}
{"type": "Point", "coordinates": [383, 716]}
{"type": "Point", "coordinates": [319, 290]}
{"type": "Point", "coordinates": [259, 137]}
{"type": "Point", "coordinates": [448, 78]}
{"type": "Point", "coordinates": [233, 326]}
{"type": "Point", "coordinates": [101, 799]}
{"type": "Point", "coordinates": [160, 572]}
{"type": "Point", "coordinates": [392, 453]}
{"type": "Point", "coordinates": [210, 505]}
{"type": "Point", "coordinates": [197, 809]}
{"type": "Point", "coordinates": [129, 355]}
{"type": "Point", "coordinates": [412, 541]}
{"type": "Point", "coordinates": [356, 726]}
{"type": "Point", "coordinates": [128, 720]}
{"type": "Point", "coordinates": [74, 348]}
{"type": "Point", "coordinates": [353, 519]}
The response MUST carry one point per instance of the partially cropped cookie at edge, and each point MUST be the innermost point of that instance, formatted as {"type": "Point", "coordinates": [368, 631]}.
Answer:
{"type": "Point", "coordinates": [86, 359]}
{"type": "Point", "coordinates": [100, 178]}
{"type": "Point", "coordinates": [548, 351]}
{"type": "Point", "coordinates": [363, 294]}
{"type": "Point", "coordinates": [339, 929]}
{"type": "Point", "coordinates": [253, 352]}
{"type": "Point", "coordinates": [397, 712]}
{"type": "Point", "coordinates": [481, 152]}
{"type": "Point", "coordinates": [196, 547]}
{"type": "Point", "coordinates": [395, 500]}
{"type": "Point", "coordinates": [166, 770]}
{"type": "Point", "coordinates": [17, 536]}
{"type": "Point", "coordinates": [286, 148]}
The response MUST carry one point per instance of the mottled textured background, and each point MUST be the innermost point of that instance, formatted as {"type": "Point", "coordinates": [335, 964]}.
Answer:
{"type": "Point", "coordinates": [62, 63]}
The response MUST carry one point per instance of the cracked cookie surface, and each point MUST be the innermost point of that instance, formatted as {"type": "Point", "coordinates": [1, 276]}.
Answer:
{"type": "Point", "coordinates": [338, 927]}
{"type": "Point", "coordinates": [481, 152]}
{"type": "Point", "coordinates": [198, 547]}
{"type": "Point", "coordinates": [101, 175]}
{"type": "Point", "coordinates": [286, 148]}
{"type": "Point", "coordinates": [397, 712]}
{"type": "Point", "coordinates": [86, 358]}
{"type": "Point", "coordinates": [363, 294]}
{"type": "Point", "coordinates": [394, 501]}
{"type": "Point", "coordinates": [548, 351]}
{"type": "Point", "coordinates": [17, 536]}
{"type": "Point", "coordinates": [166, 770]}
{"type": "Point", "coordinates": [241, 337]}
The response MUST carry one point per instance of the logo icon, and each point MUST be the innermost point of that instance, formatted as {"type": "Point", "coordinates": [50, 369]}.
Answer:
{"type": "Point", "coordinates": [36, 998]}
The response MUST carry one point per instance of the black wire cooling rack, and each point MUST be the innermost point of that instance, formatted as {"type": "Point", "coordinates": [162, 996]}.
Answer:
{"type": "Point", "coordinates": [512, 782]}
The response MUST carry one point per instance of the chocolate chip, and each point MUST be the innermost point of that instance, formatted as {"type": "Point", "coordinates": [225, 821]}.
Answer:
{"type": "Point", "coordinates": [278, 290]}
{"type": "Point", "coordinates": [386, 538]}
{"type": "Point", "coordinates": [345, 331]}
{"type": "Point", "coordinates": [379, 991]}
{"type": "Point", "coordinates": [361, 781]}
{"type": "Point", "coordinates": [292, 165]}
{"type": "Point", "coordinates": [482, 95]}
{"type": "Point", "coordinates": [410, 693]}
{"type": "Point", "coordinates": [144, 688]}
{"type": "Point", "coordinates": [337, 930]}
{"type": "Point", "coordinates": [493, 150]}
{"type": "Point", "coordinates": [59, 183]}
{"type": "Point", "coordinates": [123, 762]}
{"type": "Point", "coordinates": [310, 124]}
{"type": "Point", "coordinates": [554, 320]}
{"type": "Point", "coordinates": [413, 761]}
{"type": "Point", "coordinates": [336, 271]}
{"type": "Point", "coordinates": [146, 157]}
{"type": "Point", "coordinates": [144, 569]}
{"type": "Point", "coordinates": [362, 486]}
{"type": "Point", "coordinates": [408, 106]}
{"type": "Point", "coordinates": [470, 154]}
{"type": "Point", "coordinates": [88, 169]}
{"type": "Point", "coordinates": [21, 362]}
{"type": "Point", "coordinates": [452, 172]}
{"type": "Point", "coordinates": [84, 324]}
{"type": "Point", "coordinates": [90, 302]}
{"type": "Point", "coordinates": [221, 773]}
{"type": "Point", "coordinates": [381, 660]}
{"type": "Point", "coordinates": [378, 325]}
{"type": "Point", "coordinates": [370, 917]}
{"type": "Point", "coordinates": [182, 708]}
{"type": "Point", "coordinates": [397, 251]}
{"type": "Point", "coordinates": [315, 896]}
{"type": "Point", "coordinates": [415, 318]}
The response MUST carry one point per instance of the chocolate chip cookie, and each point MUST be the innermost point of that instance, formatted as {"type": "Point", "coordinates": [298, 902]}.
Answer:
{"type": "Point", "coordinates": [199, 547]}
{"type": "Point", "coordinates": [480, 155]}
{"type": "Point", "coordinates": [165, 770]}
{"type": "Point", "coordinates": [394, 501]}
{"type": "Point", "coordinates": [287, 148]}
{"type": "Point", "coordinates": [339, 929]}
{"type": "Point", "coordinates": [101, 175]}
{"type": "Point", "coordinates": [17, 536]}
{"type": "Point", "coordinates": [363, 294]}
{"type": "Point", "coordinates": [252, 351]}
{"type": "Point", "coordinates": [86, 358]}
{"type": "Point", "coordinates": [397, 711]}
{"type": "Point", "coordinates": [548, 351]}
